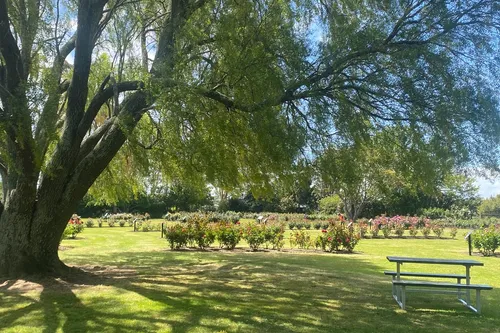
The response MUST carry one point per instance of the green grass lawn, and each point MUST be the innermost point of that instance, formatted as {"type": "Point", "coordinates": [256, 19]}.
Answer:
{"type": "Point", "coordinates": [136, 284]}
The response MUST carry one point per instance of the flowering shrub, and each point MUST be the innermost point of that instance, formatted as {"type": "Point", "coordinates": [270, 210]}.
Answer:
{"type": "Point", "coordinates": [275, 235]}
{"type": "Point", "coordinates": [374, 231]}
{"type": "Point", "coordinates": [386, 230]}
{"type": "Point", "coordinates": [89, 223]}
{"type": "Point", "coordinates": [121, 223]}
{"type": "Point", "coordinates": [380, 223]}
{"type": "Point", "coordinates": [399, 228]}
{"type": "Point", "coordinates": [111, 223]}
{"type": "Point", "coordinates": [426, 230]}
{"type": "Point", "coordinates": [144, 226]}
{"type": "Point", "coordinates": [228, 235]}
{"type": "Point", "coordinates": [74, 227]}
{"type": "Point", "coordinates": [486, 240]}
{"type": "Point", "coordinates": [413, 231]}
{"type": "Point", "coordinates": [254, 235]}
{"type": "Point", "coordinates": [453, 232]}
{"type": "Point", "coordinates": [301, 239]}
{"type": "Point", "coordinates": [172, 216]}
{"type": "Point", "coordinates": [337, 237]}
{"type": "Point", "coordinates": [437, 230]}
{"type": "Point", "coordinates": [177, 236]}
{"type": "Point", "coordinates": [203, 235]}
{"type": "Point", "coordinates": [363, 229]}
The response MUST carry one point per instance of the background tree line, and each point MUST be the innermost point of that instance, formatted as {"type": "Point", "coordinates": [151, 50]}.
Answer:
{"type": "Point", "coordinates": [459, 199]}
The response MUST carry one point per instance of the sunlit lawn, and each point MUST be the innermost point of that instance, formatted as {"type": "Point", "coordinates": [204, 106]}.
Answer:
{"type": "Point", "coordinates": [136, 284]}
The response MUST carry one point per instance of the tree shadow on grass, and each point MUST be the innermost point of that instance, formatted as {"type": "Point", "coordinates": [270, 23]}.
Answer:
{"type": "Point", "coordinates": [246, 292]}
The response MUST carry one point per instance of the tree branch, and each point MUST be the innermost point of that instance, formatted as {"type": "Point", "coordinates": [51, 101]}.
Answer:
{"type": "Point", "coordinates": [101, 97]}
{"type": "Point", "coordinates": [91, 141]}
{"type": "Point", "coordinates": [9, 50]}
{"type": "Point", "coordinates": [47, 123]}
{"type": "Point", "coordinates": [64, 158]}
{"type": "Point", "coordinates": [91, 166]}
{"type": "Point", "coordinates": [89, 14]}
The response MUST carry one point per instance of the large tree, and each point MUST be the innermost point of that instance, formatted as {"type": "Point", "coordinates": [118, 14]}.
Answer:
{"type": "Point", "coordinates": [233, 90]}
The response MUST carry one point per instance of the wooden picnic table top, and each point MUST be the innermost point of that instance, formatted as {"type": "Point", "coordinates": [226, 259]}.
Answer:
{"type": "Point", "coordinates": [435, 261]}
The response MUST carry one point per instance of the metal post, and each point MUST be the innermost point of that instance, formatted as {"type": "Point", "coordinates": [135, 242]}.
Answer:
{"type": "Point", "coordinates": [467, 282]}
{"type": "Point", "coordinates": [478, 300]}
{"type": "Point", "coordinates": [468, 237]}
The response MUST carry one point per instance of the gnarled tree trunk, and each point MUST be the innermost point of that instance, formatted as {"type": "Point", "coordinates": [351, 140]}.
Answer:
{"type": "Point", "coordinates": [38, 201]}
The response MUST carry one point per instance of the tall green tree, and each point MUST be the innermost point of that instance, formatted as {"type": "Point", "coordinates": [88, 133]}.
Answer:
{"type": "Point", "coordinates": [223, 91]}
{"type": "Point", "coordinates": [490, 206]}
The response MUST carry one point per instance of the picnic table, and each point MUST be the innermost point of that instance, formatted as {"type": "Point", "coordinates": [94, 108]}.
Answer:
{"type": "Point", "coordinates": [399, 286]}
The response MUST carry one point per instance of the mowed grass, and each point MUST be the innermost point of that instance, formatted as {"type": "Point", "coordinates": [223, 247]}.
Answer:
{"type": "Point", "coordinates": [134, 283]}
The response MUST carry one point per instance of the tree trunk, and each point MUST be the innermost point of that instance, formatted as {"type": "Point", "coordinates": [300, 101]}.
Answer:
{"type": "Point", "coordinates": [30, 233]}
{"type": "Point", "coordinates": [19, 256]}
{"type": "Point", "coordinates": [38, 204]}
{"type": "Point", "coordinates": [29, 245]}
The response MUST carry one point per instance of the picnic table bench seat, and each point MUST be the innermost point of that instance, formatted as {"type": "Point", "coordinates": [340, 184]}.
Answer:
{"type": "Point", "coordinates": [444, 285]}
{"type": "Point", "coordinates": [431, 275]}
{"type": "Point", "coordinates": [461, 290]}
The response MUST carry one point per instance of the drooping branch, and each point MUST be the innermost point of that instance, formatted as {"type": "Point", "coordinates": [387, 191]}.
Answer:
{"type": "Point", "coordinates": [157, 137]}
{"type": "Point", "coordinates": [320, 83]}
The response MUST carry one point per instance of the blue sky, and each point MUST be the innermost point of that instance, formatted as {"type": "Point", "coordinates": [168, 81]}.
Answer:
{"type": "Point", "coordinates": [488, 188]}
